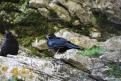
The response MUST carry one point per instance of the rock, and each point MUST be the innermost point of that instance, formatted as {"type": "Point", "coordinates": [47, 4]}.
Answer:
{"type": "Point", "coordinates": [113, 43]}
{"type": "Point", "coordinates": [38, 3]}
{"type": "Point", "coordinates": [94, 33]}
{"type": "Point", "coordinates": [81, 40]}
{"type": "Point", "coordinates": [61, 12]}
{"type": "Point", "coordinates": [111, 8]}
{"type": "Point", "coordinates": [113, 49]}
{"type": "Point", "coordinates": [65, 10]}
{"type": "Point", "coordinates": [36, 69]}
{"type": "Point", "coordinates": [74, 58]}
{"type": "Point", "coordinates": [91, 65]}
{"type": "Point", "coordinates": [44, 12]}
{"type": "Point", "coordinates": [113, 56]}
{"type": "Point", "coordinates": [96, 66]}
{"type": "Point", "coordinates": [83, 11]}
{"type": "Point", "coordinates": [69, 66]}
{"type": "Point", "coordinates": [24, 51]}
{"type": "Point", "coordinates": [40, 45]}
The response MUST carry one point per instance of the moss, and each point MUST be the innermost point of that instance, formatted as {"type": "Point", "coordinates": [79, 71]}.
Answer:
{"type": "Point", "coordinates": [94, 51]}
{"type": "Point", "coordinates": [115, 70]}
{"type": "Point", "coordinates": [28, 34]}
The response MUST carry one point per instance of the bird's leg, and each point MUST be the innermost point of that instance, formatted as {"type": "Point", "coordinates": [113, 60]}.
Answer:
{"type": "Point", "coordinates": [57, 51]}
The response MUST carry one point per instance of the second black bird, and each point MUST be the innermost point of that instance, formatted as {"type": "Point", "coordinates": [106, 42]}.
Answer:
{"type": "Point", "coordinates": [59, 44]}
{"type": "Point", "coordinates": [10, 45]}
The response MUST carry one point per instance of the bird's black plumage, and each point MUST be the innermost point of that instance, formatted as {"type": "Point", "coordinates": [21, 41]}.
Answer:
{"type": "Point", "coordinates": [60, 44]}
{"type": "Point", "coordinates": [10, 45]}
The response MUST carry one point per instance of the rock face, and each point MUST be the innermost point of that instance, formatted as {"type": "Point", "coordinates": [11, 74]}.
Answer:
{"type": "Point", "coordinates": [81, 40]}
{"type": "Point", "coordinates": [84, 11]}
{"type": "Point", "coordinates": [72, 57]}
{"type": "Point", "coordinates": [97, 67]}
{"type": "Point", "coordinates": [113, 47]}
{"type": "Point", "coordinates": [70, 66]}
{"type": "Point", "coordinates": [36, 69]}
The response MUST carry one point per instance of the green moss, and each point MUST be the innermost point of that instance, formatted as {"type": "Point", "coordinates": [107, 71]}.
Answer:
{"type": "Point", "coordinates": [94, 51]}
{"type": "Point", "coordinates": [27, 35]}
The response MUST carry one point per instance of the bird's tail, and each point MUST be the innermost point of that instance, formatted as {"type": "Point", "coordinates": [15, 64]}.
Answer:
{"type": "Point", "coordinates": [73, 46]}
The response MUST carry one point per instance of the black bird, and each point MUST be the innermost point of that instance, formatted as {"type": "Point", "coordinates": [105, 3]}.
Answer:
{"type": "Point", "coordinates": [10, 45]}
{"type": "Point", "coordinates": [59, 44]}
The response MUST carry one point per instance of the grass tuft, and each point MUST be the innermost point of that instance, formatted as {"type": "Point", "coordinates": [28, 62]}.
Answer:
{"type": "Point", "coordinates": [94, 51]}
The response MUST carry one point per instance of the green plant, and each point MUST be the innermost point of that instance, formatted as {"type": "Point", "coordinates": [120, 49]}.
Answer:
{"type": "Point", "coordinates": [114, 70]}
{"type": "Point", "coordinates": [94, 51]}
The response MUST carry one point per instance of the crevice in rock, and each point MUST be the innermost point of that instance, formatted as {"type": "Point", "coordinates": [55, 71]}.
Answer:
{"type": "Point", "coordinates": [97, 78]}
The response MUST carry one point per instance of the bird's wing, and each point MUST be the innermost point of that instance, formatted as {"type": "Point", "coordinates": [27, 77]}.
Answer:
{"type": "Point", "coordinates": [57, 42]}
